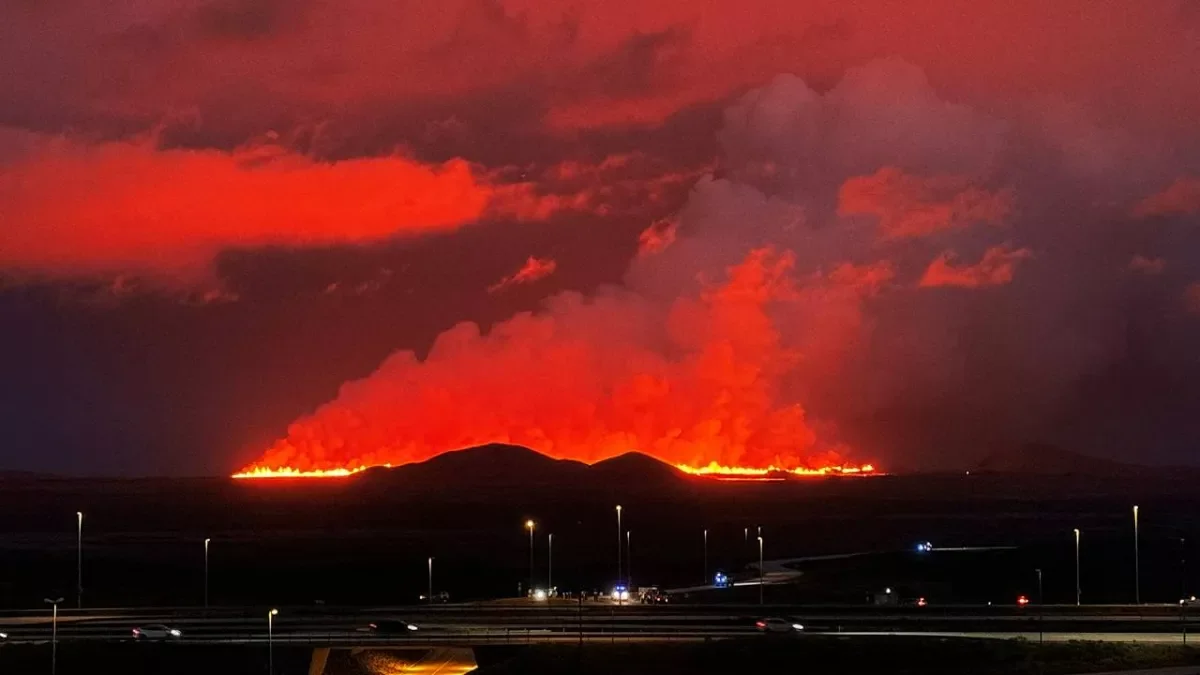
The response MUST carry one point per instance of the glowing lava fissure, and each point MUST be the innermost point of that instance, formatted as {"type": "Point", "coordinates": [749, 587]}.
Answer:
{"type": "Point", "coordinates": [713, 470]}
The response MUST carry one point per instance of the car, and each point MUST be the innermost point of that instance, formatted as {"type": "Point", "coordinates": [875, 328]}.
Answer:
{"type": "Point", "coordinates": [392, 626]}
{"type": "Point", "coordinates": [156, 631]}
{"type": "Point", "coordinates": [777, 625]}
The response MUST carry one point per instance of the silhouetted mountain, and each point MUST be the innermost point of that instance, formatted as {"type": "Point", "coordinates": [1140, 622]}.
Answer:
{"type": "Point", "coordinates": [511, 466]}
{"type": "Point", "coordinates": [1042, 459]}
{"type": "Point", "coordinates": [635, 466]}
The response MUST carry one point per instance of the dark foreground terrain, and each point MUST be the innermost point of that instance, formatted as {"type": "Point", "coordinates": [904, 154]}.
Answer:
{"type": "Point", "coordinates": [366, 540]}
{"type": "Point", "coordinates": [850, 656]}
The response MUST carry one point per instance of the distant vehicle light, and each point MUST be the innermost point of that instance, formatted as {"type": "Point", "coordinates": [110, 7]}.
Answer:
{"type": "Point", "coordinates": [176, 632]}
{"type": "Point", "coordinates": [887, 591]}
{"type": "Point", "coordinates": [924, 547]}
{"type": "Point", "coordinates": [921, 602]}
{"type": "Point", "coordinates": [1022, 600]}
{"type": "Point", "coordinates": [797, 626]}
{"type": "Point", "coordinates": [760, 624]}
{"type": "Point", "coordinates": [372, 626]}
{"type": "Point", "coordinates": [3, 636]}
{"type": "Point", "coordinates": [539, 594]}
{"type": "Point", "coordinates": [721, 580]}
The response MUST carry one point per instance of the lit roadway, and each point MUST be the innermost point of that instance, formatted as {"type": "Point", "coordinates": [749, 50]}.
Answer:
{"type": "Point", "coordinates": [566, 622]}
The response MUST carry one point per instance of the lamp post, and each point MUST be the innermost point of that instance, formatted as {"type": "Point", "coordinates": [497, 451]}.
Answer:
{"type": "Point", "coordinates": [431, 580]}
{"type": "Point", "coordinates": [706, 556]}
{"type": "Point", "coordinates": [79, 562]}
{"type": "Point", "coordinates": [271, 641]}
{"type": "Point", "coordinates": [618, 551]}
{"type": "Point", "coordinates": [549, 564]}
{"type": "Point", "coordinates": [1137, 571]}
{"type": "Point", "coordinates": [628, 564]}
{"type": "Point", "coordinates": [529, 524]}
{"type": "Point", "coordinates": [760, 570]}
{"type": "Point", "coordinates": [1077, 567]}
{"type": "Point", "coordinates": [1040, 605]}
{"type": "Point", "coordinates": [54, 635]}
{"type": "Point", "coordinates": [206, 543]}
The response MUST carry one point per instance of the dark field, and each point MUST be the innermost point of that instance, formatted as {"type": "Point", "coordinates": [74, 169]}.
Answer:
{"type": "Point", "coordinates": [366, 542]}
{"type": "Point", "coordinates": [870, 656]}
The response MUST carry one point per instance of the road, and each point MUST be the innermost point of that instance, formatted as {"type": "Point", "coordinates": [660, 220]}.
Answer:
{"type": "Point", "coordinates": [473, 625]}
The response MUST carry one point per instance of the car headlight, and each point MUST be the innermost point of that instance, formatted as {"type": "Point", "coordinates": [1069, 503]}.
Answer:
{"type": "Point", "coordinates": [797, 626]}
{"type": "Point", "coordinates": [412, 627]}
{"type": "Point", "coordinates": [176, 632]}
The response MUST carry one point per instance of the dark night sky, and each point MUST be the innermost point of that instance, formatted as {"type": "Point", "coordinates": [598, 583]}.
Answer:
{"type": "Point", "coordinates": [753, 233]}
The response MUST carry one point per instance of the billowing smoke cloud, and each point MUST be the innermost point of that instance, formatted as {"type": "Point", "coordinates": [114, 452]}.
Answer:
{"type": "Point", "coordinates": [996, 268]}
{"type": "Point", "coordinates": [74, 207]}
{"type": "Point", "coordinates": [533, 270]}
{"type": "Point", "coordinates": [873, 272]}
{"type": "Point", "coordinates": [1181, 197]}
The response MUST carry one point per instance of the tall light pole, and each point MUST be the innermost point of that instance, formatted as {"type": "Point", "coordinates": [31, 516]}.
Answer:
{"type": "Point", "coordinates": [1041, 610]}
{"type": "Point", "coordinates": [706, 556]}
{"type": "Point", "coordinates": [1137, 570]}
{"type": "Point", "coordinates": [206, 543]}
{"type": "Point", "coordinates": [550, 564]}
{"type": "Point", "coordinates": [431, 580]}
{"type": "Point", "coordinates": [54, 636]}
{"type": "Point", "coordinates": [618, 550]}
{"type": "Point", "coordinates": [760, 570]}
{"type": "Point", "coordinates": [529, 524]}
{"type": "Point", "coordinates": [79, 562]}
{"type": "Point", "coordinates": [628, 563]}
{"type": "Point", "coordinates": [1077, 567]}
{"type": "Point", "coordinates": [271, 641]}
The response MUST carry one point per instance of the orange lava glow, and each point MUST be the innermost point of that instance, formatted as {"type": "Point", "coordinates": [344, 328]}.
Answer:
{"type": "Point", "coordinates": [289, 472]}
{"type": "Point", "coordinates": [714, 470]}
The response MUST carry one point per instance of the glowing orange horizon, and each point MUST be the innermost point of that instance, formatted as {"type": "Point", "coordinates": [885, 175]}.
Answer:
{"type": "Point", "coordinates": [712, 469]}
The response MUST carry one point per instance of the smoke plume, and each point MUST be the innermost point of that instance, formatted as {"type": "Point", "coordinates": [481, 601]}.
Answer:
{"type": "Point", "coordinates": [872, 270]}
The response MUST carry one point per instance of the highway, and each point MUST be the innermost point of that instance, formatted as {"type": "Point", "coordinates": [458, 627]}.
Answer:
{"type": "Point", "coordinates": [475, 625]}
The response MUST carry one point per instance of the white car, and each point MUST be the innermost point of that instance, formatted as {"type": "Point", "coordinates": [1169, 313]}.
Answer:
{"type": "Point", "coordinates": [775, 625]}
{"type": "Point", "coordinates": [156, 631]}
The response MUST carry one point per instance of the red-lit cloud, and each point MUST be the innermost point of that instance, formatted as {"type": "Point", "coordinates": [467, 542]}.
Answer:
{"type": "Point", "coordinates": [1180, 197]}
{"type": "Point", "coordinates": [72, 207]}
{"type": "Point", "coordinates": [914, 206]}
{"type": "Point", "coordinates": [995, 268]}
{"type": "Point", "coordinates": [533, 270]}
{"type": "Point", "coordinates": [1145, 265]}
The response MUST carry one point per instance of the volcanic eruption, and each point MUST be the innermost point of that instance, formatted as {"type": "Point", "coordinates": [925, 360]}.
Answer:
{"type": "Point", "coordinates": [860, 257]}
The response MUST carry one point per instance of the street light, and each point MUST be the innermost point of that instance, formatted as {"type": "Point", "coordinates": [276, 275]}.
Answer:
{"type": "Point", "coordinates": [206, 542]}
{"type": "Point", "coordinates": [271, 641]}
{"type": "Point", "coordinates": [760, 570]}
{"type": "Point", "coordinates": [1040, 603]}
{"type": "Point", "coordinates": [431, 580]}
{"type": "Point", "coordinates": [706, 556]}
{"type": "Point", "coordinates": [618, 551]}
{"type": "Point", "coordinates": [54, 635]}
{"type": "Point", "coordinates": [1137, 571]}
{"type": "Point", "coordinates": [628, 563]}
{"type": "Point", "coordinates": [1077, 567]}
{"type": "Point", "coordinates": [529, 524]}
{"type": "Point", "coordinates": [79, 563]}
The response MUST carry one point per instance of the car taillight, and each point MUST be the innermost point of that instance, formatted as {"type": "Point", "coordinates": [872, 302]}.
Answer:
{"type": "Point", "coordinates": [760, 624]}
{"type": "Point", "coordinates": [371, 625]}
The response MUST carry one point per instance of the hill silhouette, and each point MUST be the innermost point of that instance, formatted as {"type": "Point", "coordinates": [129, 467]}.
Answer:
{"type": "Point", "coordinates": [512, 466]}
{"type": "Point", "coordinates": [1049, 460]}
{"type": "Point", "coordinates": [635, 466]}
